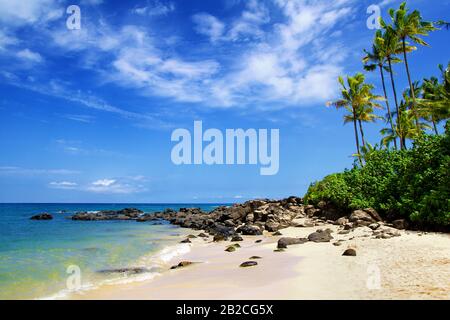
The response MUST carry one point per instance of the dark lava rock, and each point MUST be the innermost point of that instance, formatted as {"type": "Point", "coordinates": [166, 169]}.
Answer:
{"type": "Point", "coordinates": [230, 249]}
{"type": "Point", "coordinates": [248, 264]}
{"type": "Point", "coordinates": [350, 252]}
{"type": "Point", "coordinates": [255, 257]}
{"type": "Point", "coordinates": [258, 241]}
{"type": "Point", "coordinates": [186, 241]}
{"type": "Point", "coordinates": [219, 237]}
{"type": "Point", "coordinates": [124, 270]}
{"type": "Point", "coordinates": [236, 238]}
{"type": "Point", "coordinates": [249, 230]}
{"type": "Point", "coordinates": [147, 217]}
{"type": "Point", "coordinates": [182, 264]}
{"type": "Point", "coordinates": [42, 216]}
{"type": "Point", "coordinates": [203, 235]}
{"type": "Point", "coordinates": [400, 224]}
{"type": "Point", "coordinates": [124, 214]}
{"type": "Point", "coordinates": [320, 236]}
{"type": "Point", "coordinates": [285, 242]}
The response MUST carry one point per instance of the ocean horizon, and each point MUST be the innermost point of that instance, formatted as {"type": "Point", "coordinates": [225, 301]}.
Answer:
{"type": "Point", "coordinates": [35, 255]}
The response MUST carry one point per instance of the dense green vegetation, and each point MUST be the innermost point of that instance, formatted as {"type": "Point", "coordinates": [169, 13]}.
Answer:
{"type": "Point", "coordinates": [412, 178]}
{"type": "Point", "coordinates": [414, 183]}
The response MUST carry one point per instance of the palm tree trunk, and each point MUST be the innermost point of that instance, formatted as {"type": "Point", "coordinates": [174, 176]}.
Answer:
{"type": "Point", "coordinates": [402, 146]}
{"type": "Point", "coordinates": [413, 94]}
{"type": "Point", "coordinates": [387, 104]}
{"type": "Point", "coordinates": [434, 125]}
{"type": "Point", "coordinates": [362, 133]}
{"type": "Point", "coordinates": [358, 152]}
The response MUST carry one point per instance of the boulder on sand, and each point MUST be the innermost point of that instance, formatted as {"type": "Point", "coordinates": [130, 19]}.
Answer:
{"type": "Point", "coordinates": [320, 236]}
{"type": "Point", "coordinates": [350, 252]}
{"type": "Point", "coordinates": [248, 264]}
{"type": "Point", "coordinates": [283, 243]}
{"type": "Point", "coordinates": [249, 230]}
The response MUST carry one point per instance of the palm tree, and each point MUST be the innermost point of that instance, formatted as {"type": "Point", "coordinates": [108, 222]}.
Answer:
{"type": "Point", "coordinates": [430, 88]}
{"type": "Point", "coordinates": [410, 26]}
{"type": "Point", "coordinates": [365, 113]}
{"type": "Point", "coordinates": [358, 100]}
{"type": "Point", "coordinates": [435, 102]}
{"type": "Point", "coordinates": [377, 59]}
{"type": "Point", "coordinates": [390, 47]}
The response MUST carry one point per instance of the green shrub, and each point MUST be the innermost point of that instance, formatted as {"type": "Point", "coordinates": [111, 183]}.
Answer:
{"type": "Point", "coordinates": [414, 183]}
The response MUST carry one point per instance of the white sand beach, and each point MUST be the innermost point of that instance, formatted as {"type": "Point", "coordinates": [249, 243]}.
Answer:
{"type": "Point", "coordinates": [415, 265]}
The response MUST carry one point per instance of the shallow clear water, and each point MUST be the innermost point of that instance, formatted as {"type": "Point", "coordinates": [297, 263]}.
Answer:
{"type": "Point", "coordinates": [35, 255]}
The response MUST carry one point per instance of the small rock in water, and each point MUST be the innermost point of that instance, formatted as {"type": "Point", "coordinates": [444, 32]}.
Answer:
{"type": "Point", "coordinates": [248, 264]}
{"type": "Point", "coordinates": [258, 241]}
{"type": "Point", "coordinates": [350, 252]}
{"type": "Point", "coordinates": [42, 216]}
{"type": "Point", "coordinates": [203, 235]}
{"type": "Point", "coordinates": [191, 236]}
{"type": "Point", "coordinates": [278, 233]}
{"type": "Point", "coordinates": [124, 270]}
{"type": "Point", "coordinates": [255, 257]}
{"type": "Point", "coordinates": [236, 245]}
{"type": "Point", "coordinates": [186, 241]}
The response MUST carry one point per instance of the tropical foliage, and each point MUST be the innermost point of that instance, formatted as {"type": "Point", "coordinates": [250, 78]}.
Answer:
{"type": "Point", "coordinates": [408, 173]}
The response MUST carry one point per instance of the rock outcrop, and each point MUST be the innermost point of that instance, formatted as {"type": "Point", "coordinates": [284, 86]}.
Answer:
{"type": "Point", "coordinates": [42, 216]}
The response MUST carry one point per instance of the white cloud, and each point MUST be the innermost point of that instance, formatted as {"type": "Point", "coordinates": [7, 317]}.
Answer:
{"type": "Point", "coordinates": [104, 182]}
{"type": "Point", "coordinates": [209, 26]}
{"type": "Point", "coordinates": [245, 27]}
{"type": "Point", "coordinates": [13, 170]}
{"type": "Point", "coordinates": [155, 8]}
{"type": "Point", "coordinates": [30, 56]}
{"type": "Point", "coordinates": [65, 185]}
{"type": "Point", "coordinates": [7, 40]}
{"type": "Point", "coordinates": [290, 62]}
{"type": "Point", "coordinates": [117, 186]}
{"type": "Point", "coordinates": [17, 13]}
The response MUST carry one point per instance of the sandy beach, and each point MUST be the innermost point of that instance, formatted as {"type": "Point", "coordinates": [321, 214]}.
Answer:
{"type": "Point", "coordinates": [415, 265]}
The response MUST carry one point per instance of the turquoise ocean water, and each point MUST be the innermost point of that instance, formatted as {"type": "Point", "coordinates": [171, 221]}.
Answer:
{"type": "Point", "coordinates": [35, 255]}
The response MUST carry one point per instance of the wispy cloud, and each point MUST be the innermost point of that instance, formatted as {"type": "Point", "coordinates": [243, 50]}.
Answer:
{"type": "Point", "coordinates": [12, 170]}
{"type": "Point", "coordinates": [290, 62]}
{"type": "Point", "coordinates": [79, 117]}
{"type": "Point", "coordinates": [116, 186]}
{"type": "Point", "coordinates": [30, 56]}
{"type": "Point", "coordinates": [155, 8]}
{"type": "Point", "coordinates": [64, 185]}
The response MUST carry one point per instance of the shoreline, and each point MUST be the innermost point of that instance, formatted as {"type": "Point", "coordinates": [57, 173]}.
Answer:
{"type": "Point", "coordinates": [414, 265]}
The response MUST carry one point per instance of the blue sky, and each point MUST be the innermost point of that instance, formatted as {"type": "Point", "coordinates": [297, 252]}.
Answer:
{"type": "Point", "coordinates": [86, 115]}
